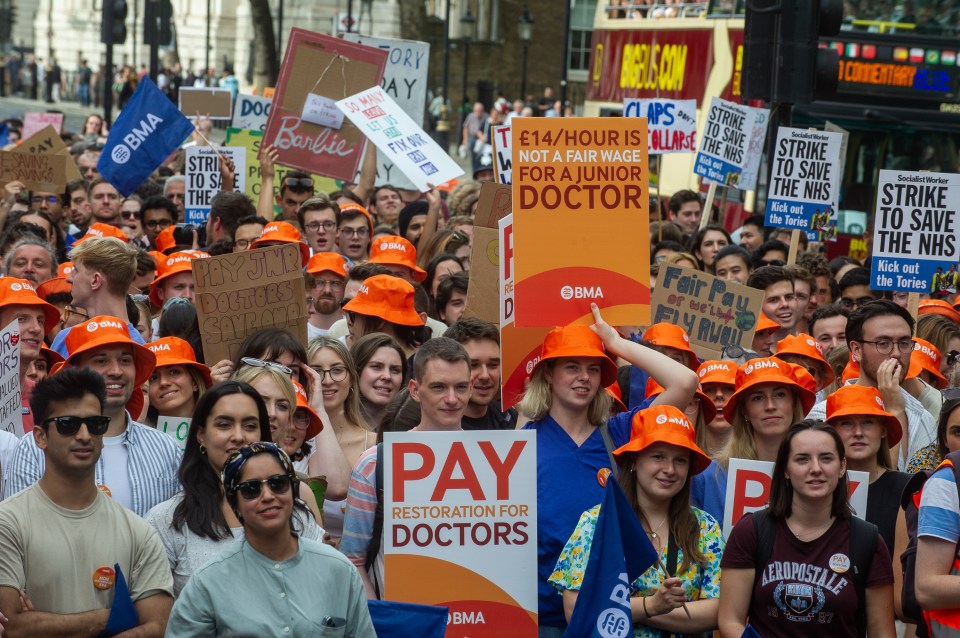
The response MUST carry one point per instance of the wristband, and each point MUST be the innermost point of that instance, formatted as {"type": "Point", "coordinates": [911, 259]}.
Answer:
{"type": "Point", "coordinates": [645, 612]}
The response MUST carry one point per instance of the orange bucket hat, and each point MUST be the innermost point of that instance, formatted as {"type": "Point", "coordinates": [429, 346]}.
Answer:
{"type": "Point", "coordinates": [668, 335]}
{"type": "Point", "coordinates": [102, 230]}
{"type": "Point", "coordinates": [328, 262]}
{"type": "Point", "coordinates": [387, 297]}
{"type": "Point", "coordinates": [397, 251]}
{"type": "Point", "coordinates": [706, 404]}
{"type": "Point", "coordinates": [766, 323]}
{"type": "Point", "coordinates": [65, 269]}
{"type": "Point", "coordinates": [284, 233]}
{"type": "Point", "coordinates": [172, 265]}
{"type": "Point", "coordinates": [851, 371]}
{"type": "Point", "coordinates": [109, 331]}
{"type": "Point", "coordinates": [20, 292]}
{"type": "Point", "coordinates": [938, 307]}
{"type": "Point", "coordinates": [174, 351]}
{"type": "Point", "coordinates": [578, 341]}
{"type": "Point", "coordinates": [926, 357]}
{"type": "Point", "coordinates": [54, 286]}
{"type": "Point", "coordinates": [53, 357]}
{"type": "Point", "coordinates": [316, 425]}
{"type": "Point", "coordinates": [771, 370]}
{"type": "Point", "coordinates": [614, 391]}
{"type": "Point", "coordinates": [165, 240]}
{"type": "Point", "coordinates": [664, 424]}
{"type": "Point", "coordinates": [724, 372]}
{"type": "Point", "coordinates": [861, 400]}
{"type": "Point", "coordinates": [804, 345]}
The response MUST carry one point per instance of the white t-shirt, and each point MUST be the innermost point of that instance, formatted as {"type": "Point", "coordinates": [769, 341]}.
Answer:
{"type": "Point", "coordinates": [116, 478]}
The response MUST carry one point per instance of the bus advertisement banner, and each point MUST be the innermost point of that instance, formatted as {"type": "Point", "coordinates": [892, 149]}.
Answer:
{"type": "Point", "coordinates": [722, 155]}
{"type": "Point", "coordinates": [671, 124]}
{"type": "Point", "coordinates": [916, 236]}
{"type": "Point", "coordinates": [805, 180]}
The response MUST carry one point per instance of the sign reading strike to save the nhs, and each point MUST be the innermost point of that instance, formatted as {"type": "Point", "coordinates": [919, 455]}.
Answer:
{"type": "Point", "coordinates": [149, 128]}
{"type": "Point", "coordinates": [460, 527]}
{"type": "Point", "coordinates": [722, 156]}
{"type": "Point", "coordinates": [805, 181]}
{"type": "Point", "coordinates": [671, 124]}
{"type": "Point", "coordinates": [916, 236]}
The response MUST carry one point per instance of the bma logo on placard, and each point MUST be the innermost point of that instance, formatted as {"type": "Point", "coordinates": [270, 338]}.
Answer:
{"type": "Point", "coordinates": [581, 292]}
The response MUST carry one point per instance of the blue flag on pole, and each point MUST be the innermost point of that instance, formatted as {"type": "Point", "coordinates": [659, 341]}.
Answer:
{"type": "Point", "coordinates": [603, 606]}
{"type": "Point", "coordinates": [4, 134]}
{"type": "Point", "coordinates": [399, 620]}
{"type": "Point", "coordinates": [149, 128]}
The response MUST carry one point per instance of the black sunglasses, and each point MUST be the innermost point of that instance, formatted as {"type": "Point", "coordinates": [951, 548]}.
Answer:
{"type": "Point", "coordinates": [70, 425]}
{"type": "Point", "coordinates": [278, 484]}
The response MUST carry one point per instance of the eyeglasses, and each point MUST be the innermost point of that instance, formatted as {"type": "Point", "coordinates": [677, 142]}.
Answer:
{"type": "Point", "coordinates": [128, 214]}
{"type": "Point", "coordinates": [242, 244]}
{"type": "Point", "coordinates": [355, 232]}
{"type": "Point", "coordinates": [847, 303]}
{"type": "Point", "coordinates": [323, 283]}
{"type": "Point", "coordinates": [259, 363]}
{"type": "Point", "coordinates": [315, 226]}
{"type": "Point", "coordinates": [159, 223]}
{"type": "Point", "coordinates": [70, 425]}
{"type": "Point", "coordinates": [278, 484]}
{"type": "Point", "coordinates": [337, 373]}
{"type": "Point", "coordinates": [70, 311]}
{"type": "Point", "coordinates": [885, 346]}
{"type": "Point", "coordinates": [50, 199]}
{"type": "Point", "coordinates": [735, 351]}
{"type": "Point", "coordinates": [298, 182]}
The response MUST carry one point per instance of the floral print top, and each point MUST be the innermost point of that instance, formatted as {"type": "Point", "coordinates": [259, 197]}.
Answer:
{"type": "Point", "coordinates": [925, 460]}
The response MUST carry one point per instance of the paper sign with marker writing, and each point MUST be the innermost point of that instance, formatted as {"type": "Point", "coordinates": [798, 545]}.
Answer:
{"type": "Point", "coordinates": [36, 122]}
{"type": "Point", "coordinates": [916, 234]}
{"type": "Point", "coordinates": [251, 111]}
{"type": "Point", "coordinates": [203, 178]}
{"type": "Point", "coordinates": [460, 527]}
{"type": "Point", "coordinates": [671, 124]}
{"type": "Point", "coordinates": [398, 137]}
{"type": "Point", "coordinates": [758, 134]}
{"type": "Point", "coordinates": [176, 428]}
{"type": "Point", "coordinates": [502, 154]}
{"type": "Point", "coordinates": [722, 155]}
{"type": "Point", "coordinates": [37, 172]}
{"type": "Point", "coordinates": [805, 179]}
{"type": "Point", "coordinates": [748, 490]}
{"type": "Point", "coordinates": [11, 417]}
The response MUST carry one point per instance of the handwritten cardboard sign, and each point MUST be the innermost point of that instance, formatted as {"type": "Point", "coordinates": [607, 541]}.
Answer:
{"type": "Point", "coordinates": [176, 428]}
{"type": "Point", "coordinates": [11, 417]}
{"type": "Point", "coordinates": [320, 65]}
{"type": "Point", "coordinates": [916, 235]}
{"type": "Point", "coordinates": [459, 527]}
{"type": "Point", "coordinates": [748, 490]}
{"type": "Point", "coordinates": [251, 111]}
{"type": "Point", "coordinates": [805, 179]}
{"type": "Point", "coordinates": [238, 294]}
{"type": "Point", "coordinates": [671, 124]}
{"type": "Point", "coordinates": [714, 312]}
{"type": "Point", "coordinates": [203, 178]}
{"type": "Point", "coordinates": [36, 122]}
{"type": "Point", "coordinates": [482, 298]}
{"type": "Point", "coordinates": [399, 138]}
{"type": "Point", "coordinates": [48, 142]}
{"type": "Point", "coordinates": [43, 172]}
{"type": "Point", "coordinates": [503, 154]}
{"type": "Point", "coordinates": [580, 200]}
{"type": "Point", "coordinates": [217, 104]}
{"type": "Point", "coordinates": [722, 155]}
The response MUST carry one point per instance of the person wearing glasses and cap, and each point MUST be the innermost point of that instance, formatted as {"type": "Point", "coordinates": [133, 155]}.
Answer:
{"type": "Point", "coordinates": [62, 531]}
{"type": "Point", "coordinates": [315, 590]}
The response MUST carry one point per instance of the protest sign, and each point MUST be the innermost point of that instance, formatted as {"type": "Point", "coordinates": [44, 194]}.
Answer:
{"type": "Point", "coordinates": [202, 173]}
{"type": "Point", "coordinates": [212, 103]}
{"type": "Point", "coordinates": [11, 416]}
{"type": "Point", "coordinates": [405, 80]}
{"type": "Point", "coordinates": [748, 490]}
{"type": "Point", "coordinates": [176, 428]}
{"type": "Point", "coordinates": [712, 311]}
{"type": "Point", "coordinates": [36, 122]}
{"type": "Point", "coordinates": [804, 179]}
{"type": "Point", "coordinates": [722, 155]}
{"type": "Point", "coordinates": [460, 527]}
{"type": "Point", "coordinates": [45, 172]}
{"type": "Point", "coordinates": [483, 300]}
{"type": "Point", "coordinates": [329, 68]}
{"type": "Point", "coordinates": [251, 111]}
{"type": "Point", "coordinates": [399, 138]}
{"type": "Point", "coordinates": [238, 294]}
{"type": "Point", "coordinates": [758, 135]}
{"type": "Point", "coordinates": [502, 154]}
{"type": "Point", "coordinates": [48, 142]}
{"type": "Point", "coordinates": [916, 237]}
{"type": "Point", "coordinates": [580, 202]}
{"type": "Point", "coordinates": [671, 124]}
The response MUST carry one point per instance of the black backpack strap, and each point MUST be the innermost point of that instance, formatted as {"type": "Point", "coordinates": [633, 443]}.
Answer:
{"type": "Point", "coordinates": [608, 443]}
{"type": "Point", "coordinates": [373, 549]}
{"type": "Point", "coordinates": [863, 545]}
{"type": "Point", "coordinates": [763, 529]}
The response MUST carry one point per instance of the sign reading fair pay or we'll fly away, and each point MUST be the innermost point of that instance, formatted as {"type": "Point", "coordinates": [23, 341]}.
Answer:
{"type": "Point", "coordinates": [460, 528]}
{"type": "Point", "coordinates": [579, 202]}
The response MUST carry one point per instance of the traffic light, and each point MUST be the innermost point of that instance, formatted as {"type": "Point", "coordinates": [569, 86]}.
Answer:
{"type": "Point", "coordinates": [804, 69]}
{"type": "Point", "coordinates": [113, 28]}
{"type": "Point", "coordinates": [759, 50]}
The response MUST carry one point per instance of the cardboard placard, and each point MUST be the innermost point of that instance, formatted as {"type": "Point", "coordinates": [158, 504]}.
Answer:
{"type": "Point", "coordinates": [671, 124]}
{"type": "Point", "coordinates": [33, 123]}
{"type": "Point", "coordinates": [748, 490]}
{"type": "Point", "coordinates": [48, 142]}
{"type": "Point", "coordinates": [238, 294]}
{"type": "Point", "coordinates": [251, 111]}
{"type": "Point", "coordinates": [712, 311]}
{"type": "Point", "coordinates": [405, 80]}
{"type": "Point", "coordinates": [322, 65]}
{"type": "Point", "coordinates": [399, 138]}
{"type": "Point", "coordinates": [212, 103]}
{"type": "Point", "coordinates": [459, 527]}
{"type": "Point", "coordinates": [176, 428]}
{"type": "Point", "coordinates": [758, 135]}
{"type": "Point", "coordinates": [580, 200]}
{"type": "Point", "coordinates": [11, 417]}
{"type": "Point", "coordinates": [722, 154]}
{"type": "Point", "coordinates": [202, 171]}
{"type": "Point", "coordinates": [503, 154]}
{"type": "Point", "coordinates": [805, 180]}
{"type": "Point", "coordinates": [482, 298]}
{"type": "Point", "coordinates": [42, 172]}
{"type": "Point", "coordinates": [916, 234]}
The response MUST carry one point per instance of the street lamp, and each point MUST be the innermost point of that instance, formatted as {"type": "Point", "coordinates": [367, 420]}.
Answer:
{"type": "Point", "coordinates": [525, 29]}
{"type": "Point", "coordinates": [467, 22]}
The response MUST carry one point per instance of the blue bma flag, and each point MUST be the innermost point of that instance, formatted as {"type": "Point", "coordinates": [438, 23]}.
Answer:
{"type": "Point", "coordinates": [399, 620]}
{"type": "Point", "coordinates": [148, 129]}
{"type": "Point", "coordinates": [603, 606]}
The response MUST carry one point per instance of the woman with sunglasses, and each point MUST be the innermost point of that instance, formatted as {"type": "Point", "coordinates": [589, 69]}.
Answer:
{"type": "Point", "coordinates": [382, 369]}
{"type": "Point", "coordinates": [197, 524]}
{"type": "Point", "coordinates": [654, 471]}
{"type": "Point", "coordinates": [806, 586]}
{"type": "Point", "coordinates": [275, 582]}
{"type": "Point", "coordinates": [177, 381]}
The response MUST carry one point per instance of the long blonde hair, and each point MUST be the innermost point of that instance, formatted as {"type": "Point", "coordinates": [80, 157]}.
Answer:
{"type": "Point", "coordinates": [538, 398]}
{"type": "Point", "coordinates": [741, 444]}
{"type": "Point", "coordinates": [351, 406]}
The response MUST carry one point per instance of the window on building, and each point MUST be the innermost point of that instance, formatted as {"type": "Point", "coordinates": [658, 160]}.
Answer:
{"type": "Point", "coordinates": [581, 32]}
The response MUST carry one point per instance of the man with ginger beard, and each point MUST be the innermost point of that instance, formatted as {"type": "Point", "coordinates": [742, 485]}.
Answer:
{"type": "Point", "coordinates": [481, 340]}
{"type": "Point", "coordinates": [329, 272]}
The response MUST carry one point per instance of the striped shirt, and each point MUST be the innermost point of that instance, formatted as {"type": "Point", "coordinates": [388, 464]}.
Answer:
{"type": "Point", "coordinates": [361, 510]}
{"type": "Point", "coordinates": [153, 460]}
{"type": "Point", "coordinates": [940, 507]}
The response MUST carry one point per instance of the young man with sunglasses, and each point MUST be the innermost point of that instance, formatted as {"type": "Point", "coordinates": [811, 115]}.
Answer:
{"type": "Point", "coordinates": [62, 532]}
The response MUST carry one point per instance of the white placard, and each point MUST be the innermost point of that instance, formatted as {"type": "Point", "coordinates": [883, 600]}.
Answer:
{"type": "Point", "coordinates": [671, 124]}
{"type": "Point", "coordinates": [203, 178]}
{"type": "Point", "coordinates": [805, 179]}
{"type": "Point", "coordinates": [502, 154]}
{"type": "Point", "coordinates": [251, 112]}
{"type": "Point", "coordinates": [176, 428]}
{"type": "Point", "coordinates": [319, 109]}
{"type": "Point", "coordinates": [758, 135]}
{"type": "Point", "coordinates": [722, 155]}
{"type": "Point", "coordinates": [11, 415]}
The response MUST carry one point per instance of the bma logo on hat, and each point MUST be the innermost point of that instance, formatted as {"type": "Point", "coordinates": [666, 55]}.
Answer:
{"type": "Point", "coordinates": [811, 342]}
{"type": "Point", "coordinates": [159, 347]}
{"type": "Point", "coordinates": [748, 369]}
{"type": "Point", "coordinates": [393, 246]}
{"type": "Point", "coordinates": [16, 286]}
{"type": "Point", "coordinates": [93, 326]}
{"type": "Point", "coordinates": [702, 372]}
{"type": "Point", "coordinates": [661, 419]}
{"type": "Point", "coordinates": [760, 365]}
{"type": "Point", "coordinates": [363, 290]}
{"type": "Point", "coordinates": [879, 402]}
{"type": "Point", "coordinates": [272, 228]}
